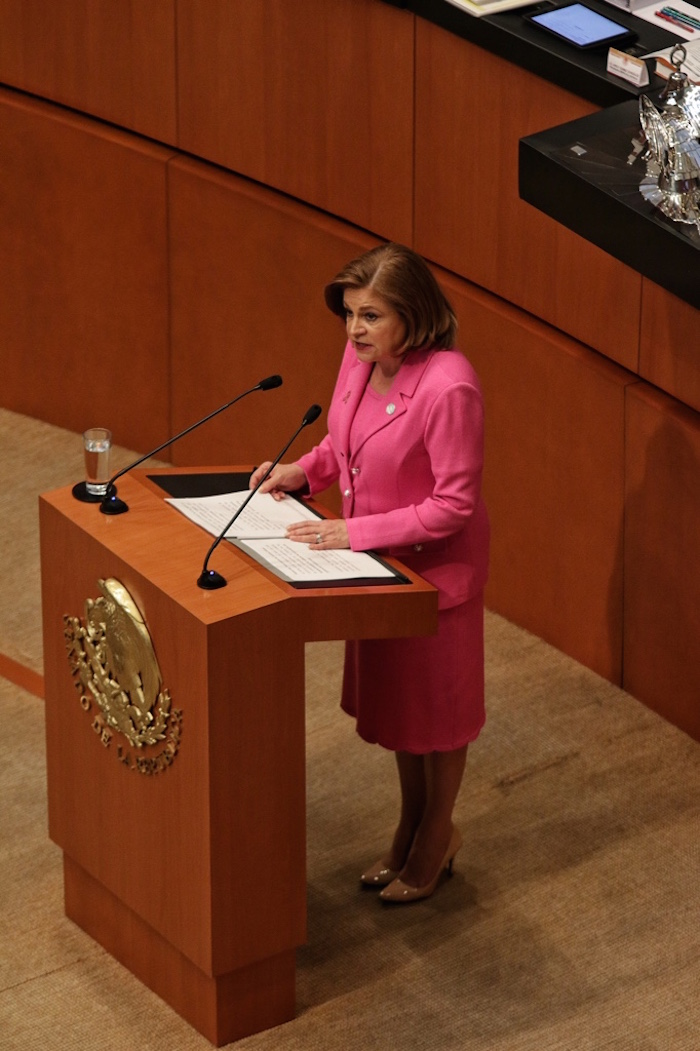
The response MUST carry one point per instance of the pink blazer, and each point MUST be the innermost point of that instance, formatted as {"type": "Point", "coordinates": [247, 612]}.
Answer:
{"type": "Point", "coordinates": [411, 481]}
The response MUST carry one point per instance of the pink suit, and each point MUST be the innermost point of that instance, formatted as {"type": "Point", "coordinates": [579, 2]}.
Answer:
{"type": "Point", "coordinates": [409, 467]}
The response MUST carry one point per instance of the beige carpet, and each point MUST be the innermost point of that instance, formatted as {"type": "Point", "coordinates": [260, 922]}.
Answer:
{"type": "Point", "coordinates": [572, 921]}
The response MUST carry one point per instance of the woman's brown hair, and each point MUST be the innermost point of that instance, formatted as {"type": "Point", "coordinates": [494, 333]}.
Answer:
{"type": "Point", "coordinates": [404, 280]}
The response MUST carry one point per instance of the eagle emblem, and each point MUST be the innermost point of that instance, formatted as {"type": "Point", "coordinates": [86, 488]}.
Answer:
{"type": "Point", "coordinates": [112, 656]}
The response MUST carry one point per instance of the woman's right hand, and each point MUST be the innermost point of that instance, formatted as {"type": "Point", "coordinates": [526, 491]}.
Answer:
{"type": "Point", "coordinates": [285, 478]}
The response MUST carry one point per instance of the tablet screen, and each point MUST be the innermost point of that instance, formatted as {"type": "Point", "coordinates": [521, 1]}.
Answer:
{"type": "Point", "coordinates": [580, 25]}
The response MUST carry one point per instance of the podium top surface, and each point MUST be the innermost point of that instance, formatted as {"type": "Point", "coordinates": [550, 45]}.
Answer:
{"type": "Point", "coordinates": [163, 547]}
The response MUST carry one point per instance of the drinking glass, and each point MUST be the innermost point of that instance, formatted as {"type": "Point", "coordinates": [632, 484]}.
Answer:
{"type": "Point", "coordinates": [97, 442]}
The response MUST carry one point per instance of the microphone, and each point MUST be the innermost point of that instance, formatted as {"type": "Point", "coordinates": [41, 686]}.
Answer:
{"type": "Point", "coordinates": [209, 579]}
{"type": "Point", "coordinates": [112, 505]}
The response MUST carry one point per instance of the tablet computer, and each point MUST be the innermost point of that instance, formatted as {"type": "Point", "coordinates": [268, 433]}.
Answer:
{"type": "Point", "coordinates": [581, 26]}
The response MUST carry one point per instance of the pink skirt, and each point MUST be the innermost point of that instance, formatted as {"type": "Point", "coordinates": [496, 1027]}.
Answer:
{"type": "Point", "coordinates": [422, 694]}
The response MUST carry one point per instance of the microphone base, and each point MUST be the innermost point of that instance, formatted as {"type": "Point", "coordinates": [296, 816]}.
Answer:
{"type": "Point", "coordinates": [80, 492]}
{"type": "Point", "coordinates": [210, 580]}
{"type": "Point", "coordinates": [112, 505]}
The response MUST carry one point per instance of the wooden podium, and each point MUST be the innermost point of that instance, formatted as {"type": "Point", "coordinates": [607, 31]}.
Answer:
{"type": "Point", "coordinates": [185, 858]}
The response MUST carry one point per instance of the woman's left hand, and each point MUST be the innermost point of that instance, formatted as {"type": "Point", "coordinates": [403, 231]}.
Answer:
{"type": "Point", "coordinates": [321, 535]}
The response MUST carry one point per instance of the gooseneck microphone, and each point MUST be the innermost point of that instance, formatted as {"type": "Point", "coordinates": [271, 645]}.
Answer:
{"type": "Point", "coordinates": [112, 505]}
{"type": "Point", "coordinates": [209, 579]}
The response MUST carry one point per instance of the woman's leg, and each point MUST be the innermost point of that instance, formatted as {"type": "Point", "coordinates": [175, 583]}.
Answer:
{"type": "Point", "coordinates": [442, 778]}
{"type": "Point", "coordinates": [413, 802]}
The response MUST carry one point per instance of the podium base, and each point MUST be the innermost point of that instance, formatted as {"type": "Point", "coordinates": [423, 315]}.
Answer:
{"type": "Point", "coordinates": [223, 1008]}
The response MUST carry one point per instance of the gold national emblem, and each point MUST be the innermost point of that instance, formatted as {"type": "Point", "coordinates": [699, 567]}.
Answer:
{"type": "Point", "coordinates": [112, 657]}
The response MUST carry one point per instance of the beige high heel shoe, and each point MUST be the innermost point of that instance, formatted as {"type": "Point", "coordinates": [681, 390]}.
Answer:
{"type": "Point", "coordinates": [378, 875]}
{"type": "Point", "coordinates": [400, 893]}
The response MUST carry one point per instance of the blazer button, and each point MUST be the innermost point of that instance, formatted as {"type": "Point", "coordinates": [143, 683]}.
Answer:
{"type": "Point", "coordinates": [417, 547]}
{"type": "Point", "coordinates": [348, 492]}
{"type": "Point", "coordinates": [354, 470]}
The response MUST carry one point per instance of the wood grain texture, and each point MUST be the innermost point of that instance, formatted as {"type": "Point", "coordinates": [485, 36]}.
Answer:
{"type": "Point", "coordinates": [248, 268]}
{"type": "Point", "coordinates": [153, 290]}
{"type": "Point", "coordinates": [222, 1007]}
{"type": "Point", "coordinates": [472, 107]}
{"type": "Point", "coordinates": [662, 578]}
{"type": "Point", "coordinates": [114, 60]}
{"type": "Point", "coordinates": [553, 479]}
{"type": "Point", "coordinates": [176, 865]}
{"type": "Point", "coordinates": [84, 317]}
{"type": "Point", "coordinates": [669, 355]}
{"type": "Point", "coordinates": [314, 99]}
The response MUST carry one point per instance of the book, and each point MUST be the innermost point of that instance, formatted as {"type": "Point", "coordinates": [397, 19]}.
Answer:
{"type": "Point", "coordinates": [691, 66]}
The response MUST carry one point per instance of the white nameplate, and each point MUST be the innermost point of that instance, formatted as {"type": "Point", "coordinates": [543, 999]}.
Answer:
{"type": "Point", "coordinates": [631, 69]}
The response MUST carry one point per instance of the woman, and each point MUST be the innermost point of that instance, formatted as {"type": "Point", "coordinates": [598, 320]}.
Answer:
{"type": "Point", "coordinates": [405, 442]}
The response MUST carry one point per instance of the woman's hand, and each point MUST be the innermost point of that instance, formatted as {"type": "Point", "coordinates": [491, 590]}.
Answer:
{"type": "Point", "coordinates": [286, 478]}
{"type": "Point", "coordinates": [323, 534]}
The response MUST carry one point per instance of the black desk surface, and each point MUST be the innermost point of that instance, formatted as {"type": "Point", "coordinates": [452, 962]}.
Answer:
{"type": "Point", "coordinates": [508, 35]}
{"type": "Point", "coordinates": [594, 192]}
{"type": "Point", "coordinates": [578, 174]}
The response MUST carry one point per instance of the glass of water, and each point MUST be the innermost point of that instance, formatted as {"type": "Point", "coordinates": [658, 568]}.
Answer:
{"type": "Point", "coordinates": [97, 442]}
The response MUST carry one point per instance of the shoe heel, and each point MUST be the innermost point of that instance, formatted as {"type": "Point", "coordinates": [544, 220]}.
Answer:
{"type": "Point", "coordinates": [398, 892]}
{"type": "Point", "coordinates": [454, 848]}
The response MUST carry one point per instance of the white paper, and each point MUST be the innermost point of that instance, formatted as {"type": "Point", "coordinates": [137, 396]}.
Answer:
{"type": "Point", "coordinates": [263, 516]}
{"type": "Point", "coordinates": [649, 14]}
{"type": "Point", "coordinates": [297, 562]}
{"type": "Point", "coordinates": [261, 529]}
{"type": "Point", "coordinates": [488, 7]}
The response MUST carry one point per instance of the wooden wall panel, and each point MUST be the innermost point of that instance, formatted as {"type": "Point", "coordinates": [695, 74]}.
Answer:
{"type": "Point", "coordinates": [248, 270]}
{"type": "Point", "coordinates": [471, 109]}
{"type": "Point", "coordinates": [84, 313]}
{"type": "Point", "coordinates": [553, 479]}
{"type": "Point", "coordinates": [114, 60]}
{"type": "Point", "coordinates": [669, 354]}
{"type": "Point", "coordinates": [662, 570]}
{"type": "Point", "coordinates": [312, 98]}
{"type": "Point", "coordinates": [317, 101]}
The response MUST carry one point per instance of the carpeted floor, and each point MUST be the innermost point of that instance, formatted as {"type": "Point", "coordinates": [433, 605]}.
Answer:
{"type": "Point", "coordinates": [572, 920]}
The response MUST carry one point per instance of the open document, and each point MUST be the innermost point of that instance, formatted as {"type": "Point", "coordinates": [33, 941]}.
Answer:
{"type": "Point", "coordinates": [260, 530]}
{"type": "Point", "coordinates": [263, 518]}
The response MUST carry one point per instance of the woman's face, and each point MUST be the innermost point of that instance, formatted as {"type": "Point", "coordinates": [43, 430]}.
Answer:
{"type": "Point", "coordinates": [374, 328]}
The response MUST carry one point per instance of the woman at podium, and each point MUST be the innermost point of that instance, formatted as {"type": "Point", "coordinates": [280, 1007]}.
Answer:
{"type": "Point", "coordinates": [405, 444]}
